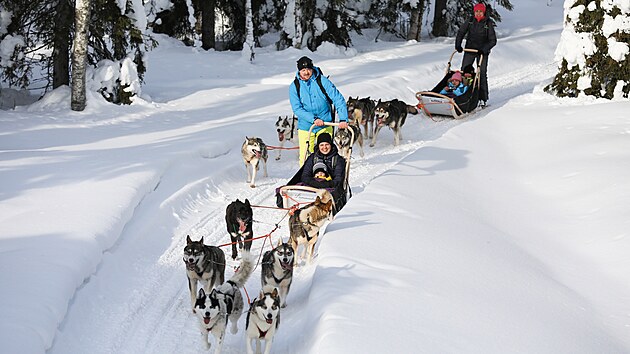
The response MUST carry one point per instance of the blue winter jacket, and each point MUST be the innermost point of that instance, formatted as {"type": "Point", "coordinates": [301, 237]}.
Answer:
{"type": "Point", "coordinates": [457, 91]}
{"type": "Point", "coordinates": [312, 103]}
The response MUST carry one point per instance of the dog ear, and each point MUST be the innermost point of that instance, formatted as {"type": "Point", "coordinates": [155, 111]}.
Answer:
{"type": "Point", "coordinates": [329, 205]}
{"type": "Point", "coordinates": [201, 293]}
{"type": "Point", "coordinates": [247, 202]}
{"type": "Point", "coordinates": [188, 240]}
{"type": "Point", "coordinates": [261, 295]}
{"type": "Point", "coordinates": [201, 240]}
{"type": "Point", "coordinates": [274, 293]}
{"type": "Point", "coordinates": [279, 242]}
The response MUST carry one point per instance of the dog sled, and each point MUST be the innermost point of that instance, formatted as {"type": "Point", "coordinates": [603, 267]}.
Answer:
{"type": "Point", "coordinates": [433, 103]}
{"type": "Point", "coordinates": [296, 192]}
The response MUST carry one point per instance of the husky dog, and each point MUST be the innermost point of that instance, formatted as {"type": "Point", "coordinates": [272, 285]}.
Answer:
{"type": "Point", "coordinates": [343, 137]}
{"type": "Point", "coordinates": [286, 128]}
{"type": "Point", "coordinates": [254, 150]}
{"type": "Point", "coordinates": [222, 303]}
{"type": "Point", "coordinates": [263, 319]}
{"type": "Point", "coordinates": [361, 111]}
{"type": "Point", "coordinates": [277, 269]}
{"type": "Point", "coordinates": [203, 263]}
{"type": "Point", "coordinates": [392, 114]}
{"type": "Point", "coordinates": [304, 226]}
{"type": "Point", "coordinates": [239, 219]}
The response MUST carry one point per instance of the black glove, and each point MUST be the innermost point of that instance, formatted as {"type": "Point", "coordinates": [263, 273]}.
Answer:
{"type": "Point", "coordinates": [459, 48]}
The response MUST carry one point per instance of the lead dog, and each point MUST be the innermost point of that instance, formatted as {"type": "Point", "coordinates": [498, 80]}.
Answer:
{"type": "Point", "coordinates": [203, 263]}
{"type": "Point", "coordinates": [254, 151]}
{"type": "Point", "coordinates": [343, 139]}
{"type": "Point", "coordinates": [286, 131]}
{"type": "Point", "coordinates": [304, 226]}
{"type": "Point", "coordinates": [225, 302]}
{"type": "Point", "coordinates": [361, 111]}
{"type": "Point", "coordinates": [277, 269]}
{"type": "Point", "coordinates": [239, 221]}
{"type": "Point", "coordinates": [263, 319]}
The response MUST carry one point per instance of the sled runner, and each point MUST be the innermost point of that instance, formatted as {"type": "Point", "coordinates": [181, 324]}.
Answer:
{"type": "Point", "coordinates": [296, 192]}
{"type": "Point", "coordinates": [433, 103]}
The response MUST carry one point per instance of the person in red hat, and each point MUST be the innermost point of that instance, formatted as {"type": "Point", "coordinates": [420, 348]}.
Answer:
{"type": "Point", "coordinates": [480, 35]}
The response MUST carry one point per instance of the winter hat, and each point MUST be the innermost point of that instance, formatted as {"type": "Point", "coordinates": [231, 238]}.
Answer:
{"type": "Point", "coordinates": [480, 6]}
{"type": "Point", "coordinates": [304, 63]}
{"type": "Point", "coordinates": [469, 69]}
{"type": "Point", "coordinates": [320, 167]}
{"type": "Point", "coordinates": [456, 76]}
{"type": "Point", "coordinates": [324, 138]}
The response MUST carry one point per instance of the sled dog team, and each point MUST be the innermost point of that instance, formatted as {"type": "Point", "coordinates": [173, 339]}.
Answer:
{"type": "Point", "coordinates": [219, 301]}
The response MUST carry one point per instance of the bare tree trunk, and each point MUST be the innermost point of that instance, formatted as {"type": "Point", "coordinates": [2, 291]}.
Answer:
{"type": "Point", "coordinates": [440, 28]}
{"type": "Point", "coordinates": [61, 44]}
{"type": "Point", "coordinates": [79, 54]}
{"type": "Point", "coordinates": [248, 46]}
{"type": "Point", "coordinates": [414, 24]}
{"type": "Point", "coordinates": [207, 24]}
{"type": "Point", "coordinates": [297, 40]}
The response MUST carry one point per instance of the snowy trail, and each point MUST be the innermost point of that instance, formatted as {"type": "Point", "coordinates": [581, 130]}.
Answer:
{"type": "Point", "coordinates": [151, 311]}
{"type": "Point", "coordinates": [156, 315]}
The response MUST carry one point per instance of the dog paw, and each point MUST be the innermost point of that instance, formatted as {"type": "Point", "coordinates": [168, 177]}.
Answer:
{"type": "Point", "coordinates": [371, 145]}
{"type": "Point", "coordinates": [252, 185]}
{"type": "Point", "coordinates": [277, 158]}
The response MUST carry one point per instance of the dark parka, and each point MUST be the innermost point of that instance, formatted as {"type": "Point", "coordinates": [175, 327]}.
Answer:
{"type": "Point", "coordinates": [479, 35]}
{"type": "Point", "coordinates": [338, 170]}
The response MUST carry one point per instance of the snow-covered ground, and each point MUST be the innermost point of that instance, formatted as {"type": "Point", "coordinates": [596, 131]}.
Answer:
{"type": "Point", "coordinates": [503, 232]}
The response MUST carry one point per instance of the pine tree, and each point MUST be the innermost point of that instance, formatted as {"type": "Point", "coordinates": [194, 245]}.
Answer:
{"type": "Point", "coordinates": [594, 50]}
{"type": "Point", "coordinates": [398, 17]}
{"type": "Point", "coordinates": [449, 15]}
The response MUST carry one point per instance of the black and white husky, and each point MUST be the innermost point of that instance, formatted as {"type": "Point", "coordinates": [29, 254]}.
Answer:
{"type": "Point", "coordinates": [344, 139]}
{"type": "Point", "coordinates": [222, 303]}
{"type": "Point", "coordinates": [263, 319]}
{"type": "Point", "coordinates": [391, 114]}
{"type": "Point", "coordinates": [203, 263]}
{"type": "Point", "coordinates": [239, 221]}
{"type": "Point", "coordinates": [254, 151]}
{"type": "Point", "coordinates": [277, 269]}
{"type": "Point", "coordinates": [286, 128]}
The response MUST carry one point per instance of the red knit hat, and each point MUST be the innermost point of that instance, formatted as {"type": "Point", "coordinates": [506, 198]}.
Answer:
{"type": "Point", "coordinates": [480, 6]}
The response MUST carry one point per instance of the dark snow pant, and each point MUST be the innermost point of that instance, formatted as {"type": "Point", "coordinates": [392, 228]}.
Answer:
{"type": "Point", "coordinates": [470, 58]}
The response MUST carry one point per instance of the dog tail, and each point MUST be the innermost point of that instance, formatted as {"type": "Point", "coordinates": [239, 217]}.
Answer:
{"type": "Point", "coordinates": [244, 271]}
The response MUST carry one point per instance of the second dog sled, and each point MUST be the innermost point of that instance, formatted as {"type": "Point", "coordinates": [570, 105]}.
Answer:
{"type": "Point", "coordinates": [296, 192]}
{"type": "Point", "coordinates": [433, 103]}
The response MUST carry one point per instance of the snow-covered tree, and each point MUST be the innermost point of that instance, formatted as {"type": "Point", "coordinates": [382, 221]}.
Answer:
{"type": "Point", "coordinates": [594, 49]}
{"type": "Point", "coordinates": [79, 54]}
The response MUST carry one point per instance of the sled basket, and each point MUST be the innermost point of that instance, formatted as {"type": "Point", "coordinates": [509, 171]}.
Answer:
{"type": "Point", "coordinates": [433, 103]}
{"type": "Point", "coordinates": [296, 192]}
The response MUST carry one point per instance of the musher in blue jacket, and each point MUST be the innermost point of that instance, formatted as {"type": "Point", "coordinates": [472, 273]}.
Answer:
{"type": "Point", "coordinates": [312, 106]}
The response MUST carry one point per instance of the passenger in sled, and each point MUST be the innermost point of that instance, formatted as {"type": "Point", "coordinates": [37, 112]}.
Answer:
{"type": "Point", "coordinates": [323, 169]}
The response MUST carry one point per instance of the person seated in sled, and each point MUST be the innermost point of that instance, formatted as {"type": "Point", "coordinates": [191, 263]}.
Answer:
{"type": "Point", "coordinates": [469, 75]}
{"type": "Point", "coordinates": [321, 172]}
{"type": "Point", "coordinates": [455, 86]}
{"type": "Point", "coordinates": [325, 157]}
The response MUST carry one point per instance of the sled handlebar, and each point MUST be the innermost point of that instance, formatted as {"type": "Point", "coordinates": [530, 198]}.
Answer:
{"type": "Point", "coordinates": [474, 51]}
